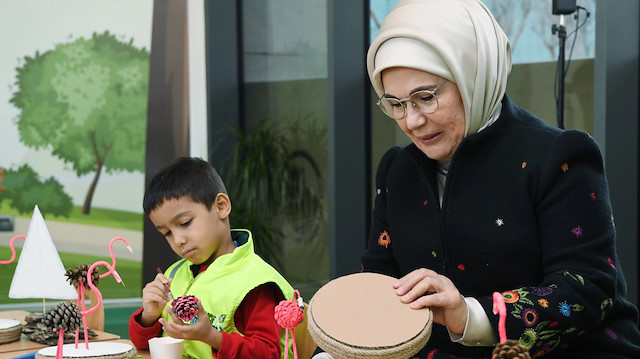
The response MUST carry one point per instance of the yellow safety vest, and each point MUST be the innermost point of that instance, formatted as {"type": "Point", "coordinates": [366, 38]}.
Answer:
{"type": "Point", "coordinates": [223, 286]}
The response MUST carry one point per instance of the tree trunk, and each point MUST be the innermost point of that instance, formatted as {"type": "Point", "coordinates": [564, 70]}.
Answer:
{"type": "Point", "coordinates": [86, 209]}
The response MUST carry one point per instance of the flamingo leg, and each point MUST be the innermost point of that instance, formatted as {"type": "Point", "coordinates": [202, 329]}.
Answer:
{"type": "Point", "coordinates": [293, 340]}
{"type": "Point", "coordinates": [59, 354]}
{"type": "Point", "coordinates": [80, 303]}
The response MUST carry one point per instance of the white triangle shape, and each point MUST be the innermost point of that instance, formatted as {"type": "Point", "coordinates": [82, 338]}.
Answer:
{"type": "Point", "coordinates": [40, 272]}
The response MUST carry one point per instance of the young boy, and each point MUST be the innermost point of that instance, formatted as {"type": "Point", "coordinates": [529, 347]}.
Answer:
{"type": "Point", "coordinates": [238, 291]}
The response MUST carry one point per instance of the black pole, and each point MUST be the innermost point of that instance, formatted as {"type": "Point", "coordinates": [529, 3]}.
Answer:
{"type": "Point", "coordinates": [562, 36]}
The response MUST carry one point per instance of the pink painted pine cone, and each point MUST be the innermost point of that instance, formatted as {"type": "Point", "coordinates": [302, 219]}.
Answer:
{"type": "Point", "coordinates": [186, 308]}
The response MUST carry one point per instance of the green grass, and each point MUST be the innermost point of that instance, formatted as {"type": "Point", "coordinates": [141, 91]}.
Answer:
{"type": "Point", "coordinates": [97, 217]}
{"type": "Point", "coordinates": [130, 272]}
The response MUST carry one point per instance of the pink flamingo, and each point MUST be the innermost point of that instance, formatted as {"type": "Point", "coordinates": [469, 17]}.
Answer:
{"type": "Point", "coordinates": [98, 303]}
{"type": "Point", "coordinates": [13, 250]}
{"type": "Point", "coordinates": [112, 270]}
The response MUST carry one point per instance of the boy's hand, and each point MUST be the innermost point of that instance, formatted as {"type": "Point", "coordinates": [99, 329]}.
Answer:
{"type": "Point", "coordinates": [154, 299]}
{"type": "Point", "coordinates": [200, 330]}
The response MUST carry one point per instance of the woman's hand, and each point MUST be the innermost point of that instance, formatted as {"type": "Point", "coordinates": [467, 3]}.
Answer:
{"type": "Point", "coordinates": [200, 330]}
{"type": "Point", "coordinates": [426, 288]}
{"type": "Point", "coordinates": [154, 299]}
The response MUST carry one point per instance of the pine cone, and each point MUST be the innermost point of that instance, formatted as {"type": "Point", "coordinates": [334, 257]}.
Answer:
{"type": "Point", "coordinates": [186, 308]}
{"type": "Point", "coordinates": [65, 315]}
{"type": "Point", "coordinates": [510, 349]}
{"type": "Point", "coordinates": [79, 273]}
{"type": "Point", "coordinates": [36, 330]}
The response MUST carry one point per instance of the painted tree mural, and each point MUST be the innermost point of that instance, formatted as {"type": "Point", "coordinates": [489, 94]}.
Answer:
{"type": "Point", "coordinates": [86, 101]}
{"type": "Point", "coordinates": [24, 190]}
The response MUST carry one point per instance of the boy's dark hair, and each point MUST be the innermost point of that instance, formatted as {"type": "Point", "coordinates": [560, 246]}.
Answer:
{"type": "Point", "coordinates": [192, 177]}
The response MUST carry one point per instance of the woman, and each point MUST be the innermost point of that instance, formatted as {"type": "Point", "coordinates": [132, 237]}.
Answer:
{"type": "Point", "coordinates": [489, 198]}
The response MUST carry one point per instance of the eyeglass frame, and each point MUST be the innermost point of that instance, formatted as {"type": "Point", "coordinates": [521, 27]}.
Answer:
{"type": "Point", "coordinates": [413, 104]}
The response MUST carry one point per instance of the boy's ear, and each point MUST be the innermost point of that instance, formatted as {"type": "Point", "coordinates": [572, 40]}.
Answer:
{"type": "Point", "coordinates": [222, 204]}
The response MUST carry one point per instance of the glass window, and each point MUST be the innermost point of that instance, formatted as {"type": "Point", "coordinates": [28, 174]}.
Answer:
{"type": "Point", "coordinates": [285, 100]}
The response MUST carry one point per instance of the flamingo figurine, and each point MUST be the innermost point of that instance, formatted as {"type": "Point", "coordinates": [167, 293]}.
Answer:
{"type": "Point", "coordinates": [111, 270]}
{"type": "Point", "coordinates": [97, 292]}
{"type": "Point", "coordinates": [13, 250]}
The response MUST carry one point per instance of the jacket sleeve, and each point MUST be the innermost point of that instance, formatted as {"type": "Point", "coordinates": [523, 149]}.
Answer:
{"type": "Point", "coordinates": [140, 335]}
{"type": "Point", "coordinates": [254, 318]}
{"type": "Point", "coordinates": [378, 257]}
{"type": "Point", "coordinates": [576, 234]}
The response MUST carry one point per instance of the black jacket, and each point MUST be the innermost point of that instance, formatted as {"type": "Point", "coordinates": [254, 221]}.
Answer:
{"type": "Point", "coordinates": [526, 212]}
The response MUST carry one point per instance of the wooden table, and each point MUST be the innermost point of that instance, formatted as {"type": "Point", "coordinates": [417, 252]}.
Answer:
{"type": "Point", "coordinates": [26, 346]}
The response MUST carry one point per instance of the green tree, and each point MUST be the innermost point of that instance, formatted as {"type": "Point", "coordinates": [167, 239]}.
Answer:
{"type": "Point", "coordinates": [24, 190]}
{"type": "Point", "coordinates": [86, 101]}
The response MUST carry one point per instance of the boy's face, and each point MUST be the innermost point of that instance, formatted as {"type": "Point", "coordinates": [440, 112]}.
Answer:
{"type": "Point", "coordinates": [194, 232]}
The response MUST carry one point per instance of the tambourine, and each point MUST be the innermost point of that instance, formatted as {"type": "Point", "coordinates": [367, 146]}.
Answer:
{"type": "Point", "coordinates": [360, 316]}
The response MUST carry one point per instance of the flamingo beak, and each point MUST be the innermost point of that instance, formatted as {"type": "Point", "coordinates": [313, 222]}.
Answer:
{"type": "Point", "coordinates": [129, 248]}
{"type": "Point", "coordinates": [117, 276]}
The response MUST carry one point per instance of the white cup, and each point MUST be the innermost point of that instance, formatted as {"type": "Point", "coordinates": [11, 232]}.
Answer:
{"type": "Point", "coordinates": [165, 348]}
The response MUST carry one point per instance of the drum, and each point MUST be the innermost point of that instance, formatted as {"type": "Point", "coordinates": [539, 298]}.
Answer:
{"type": "Point", "coordinates": [360, 316]}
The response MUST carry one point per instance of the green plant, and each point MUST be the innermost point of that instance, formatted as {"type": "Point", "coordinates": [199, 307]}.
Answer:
{"type": "Point", "coordinates": [267, 187]}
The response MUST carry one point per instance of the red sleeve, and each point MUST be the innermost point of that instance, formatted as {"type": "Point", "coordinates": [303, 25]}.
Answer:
{"type": "Point", "coordinates": [140, 335]}
{"type": "Point", "coordinates": [254, 319]}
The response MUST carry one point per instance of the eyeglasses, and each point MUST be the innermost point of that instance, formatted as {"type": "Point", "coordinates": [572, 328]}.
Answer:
{"type": "Point", "coordinates": [425, 101]}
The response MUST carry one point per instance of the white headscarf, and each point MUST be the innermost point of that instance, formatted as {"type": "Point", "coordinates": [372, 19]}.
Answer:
{"type": "Point", "coordinates": [458, 40]}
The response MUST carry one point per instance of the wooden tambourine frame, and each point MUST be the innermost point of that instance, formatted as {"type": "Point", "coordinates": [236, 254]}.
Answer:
{"type": "Point", "coordinates": [360, 316]}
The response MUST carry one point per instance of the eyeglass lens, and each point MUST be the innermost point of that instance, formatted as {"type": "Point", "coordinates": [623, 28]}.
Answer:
{"type": "Point", "coordinates": [424, 101]}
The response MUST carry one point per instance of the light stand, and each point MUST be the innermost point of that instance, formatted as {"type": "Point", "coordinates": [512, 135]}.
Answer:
{"type": "Point", "coordinates": [562, 36]}
{"type": "Point", "coordinates": [562, 8]}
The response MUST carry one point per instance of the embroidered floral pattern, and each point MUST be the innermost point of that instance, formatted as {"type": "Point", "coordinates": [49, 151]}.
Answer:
{"type": "Point", "coordinates": [499, 222]}
{"type": "Point", "coordinates": [564, 167]}
{"type": "Point", "coordinates": [542, 291]}
{"type": "Point", "coordinates": [384, 239]}
{"type": "Point", "coordinates": [565, 309]}
{"type": "Point", "coordinates": [529, 317]}
{"type": "Point", "coordinates": [543, 336]}
{"type": "Point", "coordinates": [524, 164]}
{"type": "Point", "coordinates": [611, 334]}
{"type": "Point", "coordinates": [461, 267]}
{"type": "Point", "coordinates": [576, 277]}
{"type": "Point", "coordinates": [543, 303]}
{"type": "Point", "coordinates": [604, 306]}
{"type": "Point", "coordinates": [510, 296]}
{"type": "Point", "coordinates": [577, 231]}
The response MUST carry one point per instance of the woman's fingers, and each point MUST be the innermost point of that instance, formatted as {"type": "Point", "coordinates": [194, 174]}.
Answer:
{"type": "Point", "coordinates": [426, 288]}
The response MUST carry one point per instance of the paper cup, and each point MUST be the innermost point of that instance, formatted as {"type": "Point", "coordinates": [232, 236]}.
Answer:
{"type": "Point", "coordinates": [165, 348]}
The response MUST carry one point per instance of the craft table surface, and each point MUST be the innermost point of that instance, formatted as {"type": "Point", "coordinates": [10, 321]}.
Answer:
{"type": "Point", "coordinates": [26, 346]}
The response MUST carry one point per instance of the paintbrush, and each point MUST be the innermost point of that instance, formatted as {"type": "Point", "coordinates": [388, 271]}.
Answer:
{"type": "Point", "coordinates": [166, 287]}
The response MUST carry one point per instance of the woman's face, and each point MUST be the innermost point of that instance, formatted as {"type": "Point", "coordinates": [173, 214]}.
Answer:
{"type": "Point", "coordinates": [437, 134]}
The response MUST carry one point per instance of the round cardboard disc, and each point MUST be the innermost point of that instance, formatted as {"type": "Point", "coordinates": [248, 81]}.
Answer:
{"type": "Point", "coordinates": [9, 323]}
{"type": "Point", "coordinates": [106, 349]}
{"type": "Point", "coordinates": [363, 310]}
